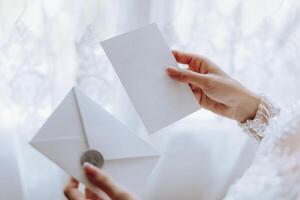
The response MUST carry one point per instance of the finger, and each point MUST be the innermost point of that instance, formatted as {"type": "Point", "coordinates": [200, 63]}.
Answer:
{"type": "Point", "coordinates": [74, 183]}
{"type": "Point", "coordinates": [71, 190]}
{"type": "Point", "coordinates": [91, 195]}
{"type": "Point", "coordinates": [193, 87]}
{"type": "Point", "coordinates": [187, 76]}
{"type": "Point", "coordinates": [183, 58]}
{"type": "Point", "coordinates": [195, 62]}
{"type": "Point", "coordinates": [73, 194]}
{"type": "Point", "coordinates": [98, 178]}
{"type": "Point", "coordinates": [198, 93]}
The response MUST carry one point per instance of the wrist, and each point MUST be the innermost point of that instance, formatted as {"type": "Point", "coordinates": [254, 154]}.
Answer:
{"type": "Point", "coordinates": [248, 107]}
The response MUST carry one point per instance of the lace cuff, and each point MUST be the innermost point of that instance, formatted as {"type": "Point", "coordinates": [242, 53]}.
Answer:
{"type": "Point", "coordinates": [257, 126]}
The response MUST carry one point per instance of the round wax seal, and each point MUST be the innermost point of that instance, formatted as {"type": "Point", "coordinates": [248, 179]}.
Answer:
{"type": "Point", "coordinates": [93, 157]}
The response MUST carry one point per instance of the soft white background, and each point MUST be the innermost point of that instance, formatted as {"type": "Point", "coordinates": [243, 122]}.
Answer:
{"type": "Point", "coordinates": [46, 47]}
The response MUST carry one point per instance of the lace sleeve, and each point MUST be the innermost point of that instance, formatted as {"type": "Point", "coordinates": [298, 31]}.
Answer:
{"type": "Point", "coordinates": [275, 171]}
{"type": "Point", "coordinates": [265, 113]}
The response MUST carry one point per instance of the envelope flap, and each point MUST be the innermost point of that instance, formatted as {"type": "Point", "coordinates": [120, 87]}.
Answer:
{"type": "Point", "coordinates": [64, 122]}
{"type": "Point", "coordinates": [62, 138]}
{"type": "Point", "coordinates": [108, 135]}
{"type": "Point", "coordinates": [65, 152]}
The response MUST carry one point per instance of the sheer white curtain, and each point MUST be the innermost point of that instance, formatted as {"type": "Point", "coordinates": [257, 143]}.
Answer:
{"type": "Point", "coordinates": [46, 47]}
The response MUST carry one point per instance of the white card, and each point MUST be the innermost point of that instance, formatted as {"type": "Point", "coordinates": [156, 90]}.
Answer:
{"type": "Point", "coordinates": [140, 59]}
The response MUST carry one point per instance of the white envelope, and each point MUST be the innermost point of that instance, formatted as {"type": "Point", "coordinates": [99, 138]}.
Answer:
{"type": "Point", "coordinates": [140, 59]}
{"type": "Point", "coordinates": [79, 124]}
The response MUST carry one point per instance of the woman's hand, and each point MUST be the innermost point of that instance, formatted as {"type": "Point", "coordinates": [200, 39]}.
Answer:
{"type": "Point", "coordinates": [214, 89]}
{"type": "Point", "coordinates": [100, 180]}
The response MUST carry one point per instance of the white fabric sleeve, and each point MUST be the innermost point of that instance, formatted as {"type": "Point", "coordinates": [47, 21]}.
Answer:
{"type": "Point", "coordinates": [266, 112]}
{"type": "Point", "coordinates": [275, 171]}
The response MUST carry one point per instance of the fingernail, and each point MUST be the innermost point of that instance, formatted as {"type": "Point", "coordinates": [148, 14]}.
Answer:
{"type": "Point", "coordinates": [173, 71]}
{"type": "Point", "coordinates": [86, 164]}
{"type": "Point", "coordinates": [89, 169]}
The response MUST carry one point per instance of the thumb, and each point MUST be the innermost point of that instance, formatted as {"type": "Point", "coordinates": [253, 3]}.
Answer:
{"type": "Point", "coordinates": [99, 179]}
{"type": "Point", "coordinates": [188, 76]}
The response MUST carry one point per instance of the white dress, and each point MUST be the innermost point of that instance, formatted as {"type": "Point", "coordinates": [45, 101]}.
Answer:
{"type": "Point", "coordinates": [275, 171]}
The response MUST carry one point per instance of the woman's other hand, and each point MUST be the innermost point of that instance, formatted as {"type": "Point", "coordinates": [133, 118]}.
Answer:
{"type": "Point", "coordinates": [100, 180]}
